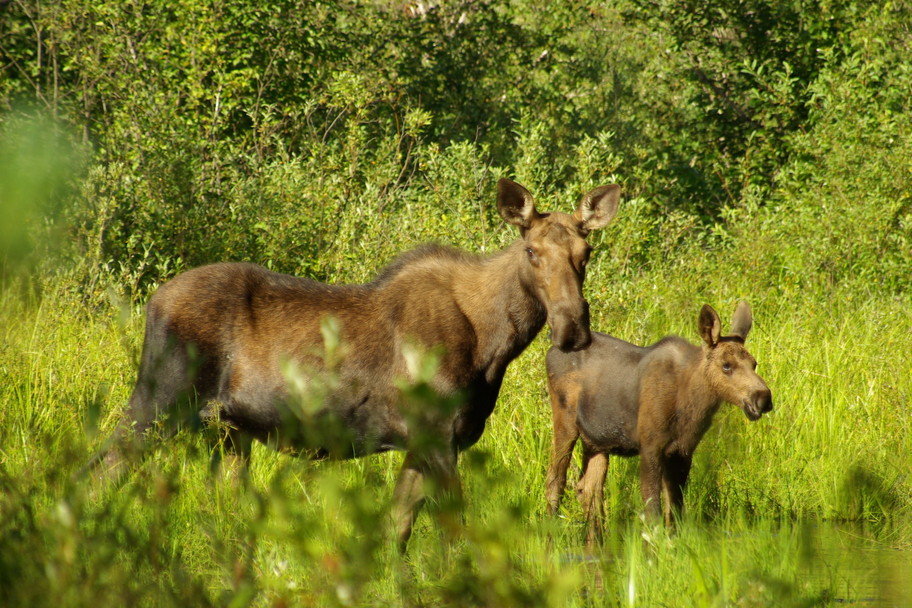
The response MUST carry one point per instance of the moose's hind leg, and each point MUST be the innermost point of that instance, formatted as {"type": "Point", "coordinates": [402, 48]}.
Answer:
{"type": "Point", "coordinates": [231, 445]}
{"type": "Point", "coordinates": [409, 497]}
{"type": "Point", "coordinates": [166, 386]}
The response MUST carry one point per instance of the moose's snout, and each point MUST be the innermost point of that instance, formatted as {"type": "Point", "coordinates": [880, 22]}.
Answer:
{"type": "Point", "coordinates": [583, 339]}
{"type": "Point", "coordinates": [570, 330]}
{"type": "Point", "coordinates": [569, 337]}
{"type": "Point", "coordinates": [764, 401]}
{"type": "Point", "coordinates": [759, 403]}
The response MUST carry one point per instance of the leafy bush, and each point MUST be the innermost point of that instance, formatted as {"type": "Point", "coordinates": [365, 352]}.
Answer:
{"type": "Point", "coordinates": [302, 135]}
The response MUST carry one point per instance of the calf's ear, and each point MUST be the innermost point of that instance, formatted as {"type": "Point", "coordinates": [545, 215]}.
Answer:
{"type": "Point", "coordinates": [710, 325]}
{"type": "Point", "coordinates": [742, 320]}
{"type": "Point", "coordinates": [515, 204]}
{"type": "Point", "coordinates": [598, 207]}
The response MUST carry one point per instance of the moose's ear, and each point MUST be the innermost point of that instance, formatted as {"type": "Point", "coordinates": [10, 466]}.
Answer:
{"type": "Point", "coordinates": [710, 325]}
{"type": "Point", "coordinates": [598, 207]}
{"type": "Point", "coordinates": [742, 320]}
{"type": "Point", "coordinates": [515, 204]}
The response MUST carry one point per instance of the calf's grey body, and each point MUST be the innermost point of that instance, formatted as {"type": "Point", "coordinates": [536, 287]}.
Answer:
{"type": "Point", "coordinates": [656, 402]}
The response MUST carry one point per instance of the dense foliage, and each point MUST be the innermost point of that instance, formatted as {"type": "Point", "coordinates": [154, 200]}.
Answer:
{"type": "Point", "coordinates": [300, 134]}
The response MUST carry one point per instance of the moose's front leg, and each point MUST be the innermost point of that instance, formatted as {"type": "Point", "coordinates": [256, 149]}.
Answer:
{"type": "Point", "coordinates": [651, 471]}
{"type": "Point", "coordinates": [591, 489]}
{"type": "Point", "coordinates": [408, 498]}
{"type": "Point", "coordinates": [675, 474]}
{"type": "Point", "coordinates": [565, 436]}
{"type": "Point", "coordinates": [435, 473]}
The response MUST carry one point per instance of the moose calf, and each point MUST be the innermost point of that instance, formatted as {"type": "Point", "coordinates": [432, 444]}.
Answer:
{"type": "Point", "coordinates": [656, 401]}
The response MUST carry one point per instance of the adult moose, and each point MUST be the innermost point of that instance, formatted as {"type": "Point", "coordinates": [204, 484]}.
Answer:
{"type": "Point", "coordinates": [655, 401]}
{"type": "Point", "coordinates": [221, 334]}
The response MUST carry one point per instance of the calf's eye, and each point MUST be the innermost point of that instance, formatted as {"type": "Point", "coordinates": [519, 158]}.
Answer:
{"type": "Point", "coordinates": [727, 368]}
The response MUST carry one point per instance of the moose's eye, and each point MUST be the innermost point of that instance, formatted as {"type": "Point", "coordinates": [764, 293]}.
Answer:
{"type": "Point", "coordinates": [727, 368]}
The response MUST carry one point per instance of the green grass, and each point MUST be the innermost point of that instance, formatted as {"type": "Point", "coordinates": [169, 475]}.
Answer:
{"type": "Point", "coordinates": [809, 506]}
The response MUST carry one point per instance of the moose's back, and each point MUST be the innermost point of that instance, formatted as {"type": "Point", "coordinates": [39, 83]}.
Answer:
{"type": "Point", "coordinates": [604, 381]}
{"type": "Point", "coordinates": [243, 323]}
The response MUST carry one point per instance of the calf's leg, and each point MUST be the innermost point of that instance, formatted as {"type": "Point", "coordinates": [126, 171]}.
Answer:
{"type": "Point", "coordinates": [591, 490]}
{"type": "Point", "coordinates": [565, 436]}
{"type": "Point", "coordinates": [651, 467]}
{"type": "Point", "coordinates": [675, 472]}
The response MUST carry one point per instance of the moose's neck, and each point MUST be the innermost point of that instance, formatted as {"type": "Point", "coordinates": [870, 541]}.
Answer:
{"type": "Point", "coordinates": [697, 404]}
{"type": "Point", "coordinates": [499, 300]}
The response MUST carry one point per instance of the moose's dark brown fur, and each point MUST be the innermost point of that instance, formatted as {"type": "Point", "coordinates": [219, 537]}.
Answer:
{"type": "Point", "coordinates": [222, 334]}
{"type": "Point", "coordinates": [655, 401]}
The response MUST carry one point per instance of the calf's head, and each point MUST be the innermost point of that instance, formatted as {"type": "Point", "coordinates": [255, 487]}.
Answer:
{"type": "Point", "coordinates": [556, 254]}
{"type": "Point", "coordinates": [730, 370]}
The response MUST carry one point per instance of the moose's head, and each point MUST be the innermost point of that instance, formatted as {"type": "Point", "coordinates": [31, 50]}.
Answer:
{"type": "Point", "coordinates": [556, 254]}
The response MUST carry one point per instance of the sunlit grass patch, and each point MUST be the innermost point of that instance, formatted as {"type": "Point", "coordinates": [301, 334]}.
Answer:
{"type": "Point", "coordinates": [807, 507]}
